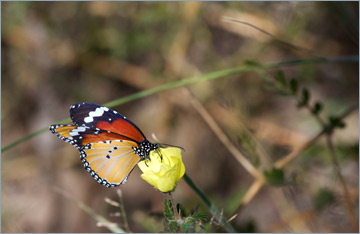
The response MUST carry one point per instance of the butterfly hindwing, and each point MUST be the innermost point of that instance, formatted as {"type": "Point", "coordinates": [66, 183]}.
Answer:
{"type": "Point", "coordinates": [96, 116]}
{"type": "Point", "coordinates": [108, 158]}
{"type": "Point", "coordinates": [110, 162]}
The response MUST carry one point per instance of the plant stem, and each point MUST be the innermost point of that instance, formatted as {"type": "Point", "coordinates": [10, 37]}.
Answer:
{"type": "Point", "coordinates": [213, 210]}
{"type": "Point", "coordinates": [220, 134]}
{"type": "Point", "coordinates": [257, 185]}
{"type": "Point", "coordinates": [113, 227]}
{"type": "Point", "coordinates": [193, 80]}
{"type": "Point", "coordinates": [122, 209]}
{"type": "Point", "coordinates": [174, 207]}
{"type": "Point", "coordinates": [317, 117]}
{"type": "Point", "coordinates": [348, 202]}
{"type": "Point", "coordinates": [328, 136]}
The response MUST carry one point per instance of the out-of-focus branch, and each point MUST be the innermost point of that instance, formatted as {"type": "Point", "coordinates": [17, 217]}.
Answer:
{"type": "Point", "coordinates": [348, 205]}
{"type": "Point", "coordinates": [257, 184]}
{"type": "Point", "coordinates": [222, 136]}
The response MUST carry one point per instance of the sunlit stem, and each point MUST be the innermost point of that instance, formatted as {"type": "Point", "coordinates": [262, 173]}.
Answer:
{"type": "Point", "coordinates": [174, 207]}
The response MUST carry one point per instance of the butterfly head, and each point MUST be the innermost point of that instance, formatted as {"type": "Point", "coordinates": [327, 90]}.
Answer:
{"type": "Point", "coordinates": [144, 148]}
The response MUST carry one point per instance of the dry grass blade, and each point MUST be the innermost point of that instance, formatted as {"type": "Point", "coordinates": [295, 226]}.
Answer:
{"type": "Point", "coordinates": [122, 210]}
{"type": "Point", "coordinates": [222, 136]}
{"type": "Point", "coordinates": [298, 48]}
{"type": "Point", "coordinates": [111, 202]}
{"type": "Point", "coordinates": [113, 227]}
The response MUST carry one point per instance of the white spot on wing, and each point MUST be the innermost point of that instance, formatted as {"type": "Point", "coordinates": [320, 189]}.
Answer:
{"type": "Point", "coordinates": [98, 112]}
{"type": "Point", "coordinates": [80, 129]}
{"type": "Point", "coordinates": [74, 133]}
{"type": "Point", "coordinates": [88, 119]}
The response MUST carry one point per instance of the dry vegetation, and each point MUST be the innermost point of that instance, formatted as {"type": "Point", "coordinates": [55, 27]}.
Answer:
{"type": "Point", "coordinates": [235, 129]}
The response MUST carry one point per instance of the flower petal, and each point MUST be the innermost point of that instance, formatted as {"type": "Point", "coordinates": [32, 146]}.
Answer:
{"type": "Point", "coordinates": [163, 172]}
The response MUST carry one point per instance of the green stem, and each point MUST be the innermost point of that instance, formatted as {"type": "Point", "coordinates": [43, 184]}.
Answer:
{"type": "Point", "coordinates": [213, 210]}
{"type": "Point", "coordinates": [193, 80]}
{"type": "Point", "coordinates": [28, 137]}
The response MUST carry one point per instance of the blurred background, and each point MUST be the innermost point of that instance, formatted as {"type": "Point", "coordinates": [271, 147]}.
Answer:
{"type": "Point", "coordinates": [55, 54]}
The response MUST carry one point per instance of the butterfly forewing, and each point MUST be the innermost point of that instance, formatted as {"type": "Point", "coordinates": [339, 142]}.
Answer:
{"type": "Point", "coordinates": [82, 135]}
{"type": "Point", "coordinates": [108, 142]}
{"type": "Point", "coordinates": [68, 133]}
{"type": "Point", "coordinates": [110, 161]}
{"type": "Point", "coordinates": [96, 116]}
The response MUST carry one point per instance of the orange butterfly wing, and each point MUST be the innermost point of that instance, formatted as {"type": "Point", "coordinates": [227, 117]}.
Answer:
{"type": "Point", "coordinates": [110, 162]}
{"type": "Point", "coordinates": [100, 117]}
{"type": "Point", "coordinates": [108, 142]}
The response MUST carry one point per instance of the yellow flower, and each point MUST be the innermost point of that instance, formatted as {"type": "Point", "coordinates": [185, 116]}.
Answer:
{"type": "Point", "coordinates": [163, 174]}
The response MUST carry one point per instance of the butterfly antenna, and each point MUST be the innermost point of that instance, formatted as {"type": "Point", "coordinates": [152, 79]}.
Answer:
{"type": "Point", "coordinates": [168, 145]}
{"type": "Point", "coordinates": [161, 144]}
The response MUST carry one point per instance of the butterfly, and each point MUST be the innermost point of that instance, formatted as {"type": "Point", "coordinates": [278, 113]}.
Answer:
{"type": "Point", "coordinates": [110, 145]}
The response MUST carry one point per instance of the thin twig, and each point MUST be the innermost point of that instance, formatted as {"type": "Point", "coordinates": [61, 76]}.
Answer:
{"type": "Point", "coordinates": [122, 210]}
{"type": "Point", "coordinates": [348, 203]}
{"type": "Point", "coordinates": [316, 116]}
{"type": "Point", "coordinates": [285, 160]}
{"type": "Point", "coordinates": [256, 186]}
{"type": "Point", "coordinates": [222, 136]}
{"type": "Point", "coordinates": [336, 165]}
{"type": "Point", "coordinates": [177, 218]}
{"type": "Point", "coordinates": [113, 227]}
{"type": "Point", "coordinates": [251, 192]}
{"type": "Point", "coordinates": [190, 81]}
{"type": "Point", "coordinates": [298, 48]}
{"type": "Point", "coordinates": [174, 207]}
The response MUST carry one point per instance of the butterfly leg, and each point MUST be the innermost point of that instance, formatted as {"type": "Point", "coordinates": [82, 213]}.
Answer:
{"type": "Point", "coordinates": [159, 153]}
{"type": "Point", "coordinates": [146, 160]}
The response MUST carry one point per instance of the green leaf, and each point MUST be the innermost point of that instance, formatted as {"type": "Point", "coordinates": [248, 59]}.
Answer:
{"type": "Point", "coordinates": [199, 216]}
{"type": "Point", "coordinates": [275, 177]}
{"type": "Point", "coordinates": [305, 96]}
{"type": "Point", "coordinates": [323, 198]}
{"type": "Point", "coordinates": [317, 108]}
{"type": "Point", "coordinates": [293, 86]}
{"type": "Point", "coordinates": [335, 122]}
{"type": "Point", "coordinates": [280, 78]}
{"type": "Point", "coordinates": [341, 124]}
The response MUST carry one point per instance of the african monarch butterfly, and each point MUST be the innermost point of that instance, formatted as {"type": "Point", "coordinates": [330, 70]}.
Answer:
{"type": "Point", "coordinates": [110, 145]}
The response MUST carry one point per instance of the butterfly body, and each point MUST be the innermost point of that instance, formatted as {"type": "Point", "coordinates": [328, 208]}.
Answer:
{"type": "Point", "coordinates": [110, 145]}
